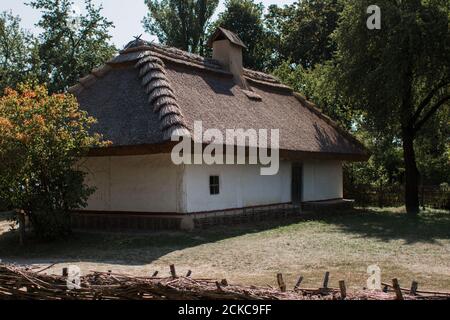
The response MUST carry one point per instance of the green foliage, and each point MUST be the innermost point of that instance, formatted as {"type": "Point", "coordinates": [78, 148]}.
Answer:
{"type": "Point", "coordinates": [317, 86]}
{"type": "Point", "coordinates": [433, 149]}
{"type": "Point", "coordinates": [180, 23]}
{"type": "Point", "coordinates": [301, 32]}
{"type": "Point", "coordinates": [17, 55]}
{"type": "Point", "coordinates": [70, 46]}
{"type": "Point", "coordinates": [244, 17]}
{"type": "Point", "coordinates": [390, 72]}
{"type": "Point", "coordinates": [42, 138]}
{"type": "Point", "coordinates": [399, 76]}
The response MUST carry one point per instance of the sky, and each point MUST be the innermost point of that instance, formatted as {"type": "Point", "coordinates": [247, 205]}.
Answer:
{"type": "Point", "coordinates": [126, 16]}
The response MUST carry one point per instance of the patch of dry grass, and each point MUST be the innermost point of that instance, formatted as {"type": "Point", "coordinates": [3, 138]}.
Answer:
{"type": "Point", "coordinates": [344, 244]}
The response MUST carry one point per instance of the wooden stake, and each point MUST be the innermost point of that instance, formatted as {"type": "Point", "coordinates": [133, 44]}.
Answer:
{"type": "Point", "coordinates": [188, 274]}
{"type": "Point", "coordinates": [22, 227]}
{"type": "Point", "coordinates": [299, 282]}
{"type": "Point", "coordinates": [172, 271]}
{"type": "Point", "coordinates": [281, 283]}
{"type": "Point", "coordinates": [65, 272]}
{"type": "Point", "coordinates": [325, 280]}
{"type": "Point", "coordinates": [155, 274]}
{"type": "Point", "coordinates": [398, 291]}
{"type": "Point", "coordinates": [414, 286]}
{"type": "Point", "coordinates": [343, 289]}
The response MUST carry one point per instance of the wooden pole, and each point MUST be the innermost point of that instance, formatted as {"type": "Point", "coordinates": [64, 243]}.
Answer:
{"type": "Point", "coordinates": [21, 218]}
{"type": "Point", "coordinates": [325, 280]}
{"type": "Point", "coordinates": [281, 283]}
{"type": "Point", "coordinates": [299, 282]}
{"type": "Point", "coordinates": [414, 286]}
{"type": "Point", "coordinates": [65, 272]}
{"type": "Point", "coordinates": [398, 291]}
{"type": "Point", "coordinates": [343, 289]}
{"type": "Point", "coordinates": [172, 271]}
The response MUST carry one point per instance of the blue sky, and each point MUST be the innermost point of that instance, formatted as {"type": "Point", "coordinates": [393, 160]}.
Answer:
{"type": "Point", "coordinates": [126, 15]}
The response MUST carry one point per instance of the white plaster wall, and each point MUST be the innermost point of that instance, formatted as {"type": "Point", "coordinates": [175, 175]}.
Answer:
{"type": "Point", "coordinates": [240, 186]}
{"type": "Point", "coordinates": [322, 180]}
{"type": "Point", "coordinates": [152, 183]}
{"type": "Point", "coordinates": [148, 183]}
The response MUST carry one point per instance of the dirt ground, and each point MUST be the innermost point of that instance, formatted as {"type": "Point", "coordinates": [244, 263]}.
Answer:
{"type": "Point", "coordinates": [343, 244]}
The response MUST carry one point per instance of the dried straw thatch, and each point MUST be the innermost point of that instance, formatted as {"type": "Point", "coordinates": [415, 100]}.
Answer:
{"type": "Point", "coordinates": [148, 91]}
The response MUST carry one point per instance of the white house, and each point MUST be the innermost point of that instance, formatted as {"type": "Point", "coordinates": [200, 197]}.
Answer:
{"type": "Point", "coordinates": [148, 92]}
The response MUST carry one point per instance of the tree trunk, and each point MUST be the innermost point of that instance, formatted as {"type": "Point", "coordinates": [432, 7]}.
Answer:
{"type": "Point", "coordinates": [411, 174]}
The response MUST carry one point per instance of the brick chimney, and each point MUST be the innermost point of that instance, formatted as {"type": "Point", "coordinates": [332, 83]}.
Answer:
{"type": "Point", "coordinates": [227, 50]}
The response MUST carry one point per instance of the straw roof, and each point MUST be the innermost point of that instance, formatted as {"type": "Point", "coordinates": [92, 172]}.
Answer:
{"type": "Point", "coordinates": [148, 92]}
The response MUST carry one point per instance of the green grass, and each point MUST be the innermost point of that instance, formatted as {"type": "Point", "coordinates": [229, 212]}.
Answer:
{"type": "Point", "coordinates": [344, 244]}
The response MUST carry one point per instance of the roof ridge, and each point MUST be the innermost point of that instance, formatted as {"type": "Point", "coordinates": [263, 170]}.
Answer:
{"type": "Point", "coordinates": [196, 60]}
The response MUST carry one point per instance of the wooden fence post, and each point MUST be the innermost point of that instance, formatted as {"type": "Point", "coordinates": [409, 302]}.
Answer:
{"type": "Point", "coordinates": [172, 271]}
{"type": "Point", "coordinates": [22, 226]}
{"type": "Point", "coordinates": [398, 291]}
{"type": "Point", "coordinates": [299, 282]}
{"type": "Point", "coordinates": [414, 286]}
{"type": "Point", "coordinates": [343, 289]}
{"type": "Point", "coordinates": [281, 283]}
{"type": "Point", "coordinates": [326, 279]}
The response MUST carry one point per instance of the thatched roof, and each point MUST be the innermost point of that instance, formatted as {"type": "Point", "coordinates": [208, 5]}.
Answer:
{"type": "Point", "coordinates": [149, 91]}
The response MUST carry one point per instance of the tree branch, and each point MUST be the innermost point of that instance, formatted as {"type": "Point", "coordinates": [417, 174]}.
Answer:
{"type": "Point", "coordinates": [431, 112]}
{"type": "Point", "coordinates": [428, 99]}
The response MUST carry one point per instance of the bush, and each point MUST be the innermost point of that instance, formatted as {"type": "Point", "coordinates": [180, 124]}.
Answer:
{"type": "Point", "coordinates": [42, 137]}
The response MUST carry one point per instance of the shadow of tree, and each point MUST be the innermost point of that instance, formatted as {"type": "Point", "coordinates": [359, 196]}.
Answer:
{"type": "Point", "coordinates": [387, 225]}
{"type": "Point", "coordinates": [143, 248]}
{"type": "Point", "coordinates": [131, 248]}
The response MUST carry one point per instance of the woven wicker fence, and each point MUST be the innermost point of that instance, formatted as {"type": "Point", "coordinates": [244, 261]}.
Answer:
{"type": "Point", "coordinates": [393, 196]}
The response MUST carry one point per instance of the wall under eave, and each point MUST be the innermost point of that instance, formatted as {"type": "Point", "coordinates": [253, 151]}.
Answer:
{"type": "Point", "coordinates": [240, 186]}
{"type": "Point", "coordinates": [153, 184]}
{"type": "Point", "coordinates": [322, 180]}
{"type": "Point", "coordinates": [149, 183]}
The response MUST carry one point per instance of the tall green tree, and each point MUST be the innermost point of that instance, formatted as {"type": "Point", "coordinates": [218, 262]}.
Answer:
{"type": "Point", "coordinates": [398, 75]}
{"type": "Point", "coordinates": [18, 59]}
{"type": "Point", "coordinates": [70, 45]}
{"type": "Point", "coordinates": [245, 18]}
{"type": "Point", "coordinates": [180, 23]}
{"type": "Point", "coordinates": [301, 32]}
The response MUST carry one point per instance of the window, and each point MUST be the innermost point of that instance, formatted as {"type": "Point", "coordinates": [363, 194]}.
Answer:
{"type": "Point", "coordinates": [213, 185]}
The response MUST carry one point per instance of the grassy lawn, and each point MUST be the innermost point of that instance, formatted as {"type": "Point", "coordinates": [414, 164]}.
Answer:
{"type": "Point", "coordinates": [344, 244]}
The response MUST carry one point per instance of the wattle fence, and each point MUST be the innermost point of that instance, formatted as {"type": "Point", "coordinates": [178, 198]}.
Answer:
{"type": "Point", "coordinates": [437, 197]}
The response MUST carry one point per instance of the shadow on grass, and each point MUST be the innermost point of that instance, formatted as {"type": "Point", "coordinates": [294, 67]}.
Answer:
{"type": "Point", "coordinates": [392, 224]}
{"type": "Point", "coordinates": [122, 248]}
{"type": "Point", "coordinates": [144, 248]}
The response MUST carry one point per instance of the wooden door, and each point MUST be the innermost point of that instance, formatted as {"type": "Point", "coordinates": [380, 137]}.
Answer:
{"type": "Point", "coordinates": [297, 183]}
